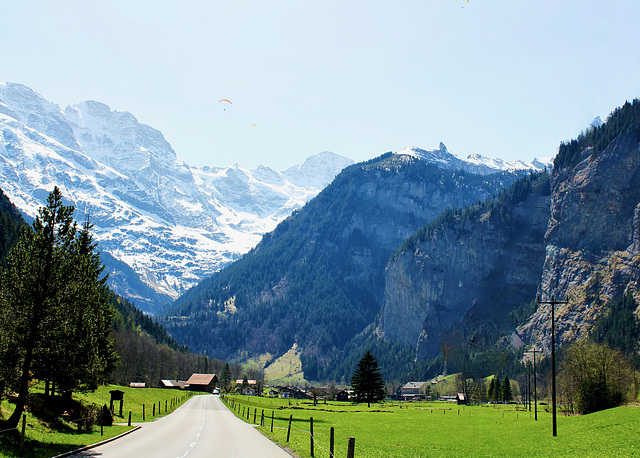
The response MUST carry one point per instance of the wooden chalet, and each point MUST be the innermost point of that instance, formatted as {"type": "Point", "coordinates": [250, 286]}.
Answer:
{"type": "Point", "coordinates": [250, 388]}
{"type": "Point", "coordinates": [414, 391]}
{"type": "Point", "coordinates": [202, 382]}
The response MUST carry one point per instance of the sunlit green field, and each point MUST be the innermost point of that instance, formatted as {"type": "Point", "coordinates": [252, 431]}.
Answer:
{"type": "Point", "coordinates": [50, 438]}
{"type": "Point", "coordinates": [442, 429]}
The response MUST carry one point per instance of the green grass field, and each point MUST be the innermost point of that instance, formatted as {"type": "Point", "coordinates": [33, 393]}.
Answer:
{"type": "Point", "coordinates": [50, 438]}
{"type": "Point", "coordinates": [443, 429]}
{"type": "Point", "coordinates": [384, 430]}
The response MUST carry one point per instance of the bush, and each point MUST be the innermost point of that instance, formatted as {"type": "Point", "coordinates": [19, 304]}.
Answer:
{"type": "Point", "coordinates": [594, 377]}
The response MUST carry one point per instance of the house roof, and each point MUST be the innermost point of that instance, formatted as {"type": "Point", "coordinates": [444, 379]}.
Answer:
{"type": "Point", "coordinates": [173, 383]}
{"type": "Point", "coordinates": [413, 385]}
{"type": "Point", "coordinates": [201, 379]}
{"type": "Point", "coordinates": [249, 382]}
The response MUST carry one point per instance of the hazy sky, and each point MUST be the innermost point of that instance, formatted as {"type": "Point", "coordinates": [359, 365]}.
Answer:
{"type": "Point", "coordinates": [507, 79]}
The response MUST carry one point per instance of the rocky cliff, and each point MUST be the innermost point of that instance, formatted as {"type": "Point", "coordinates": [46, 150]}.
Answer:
{"type": "Point", "coordinates": [573, 237]}
{"type": "Point", "coordinates": [467, 270]}
{"type": "Point", "coordinates": [592, 240]}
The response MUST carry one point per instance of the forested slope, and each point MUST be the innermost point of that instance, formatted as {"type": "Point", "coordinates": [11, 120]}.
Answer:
{"type": "Point", "coordinates": [317, 280]}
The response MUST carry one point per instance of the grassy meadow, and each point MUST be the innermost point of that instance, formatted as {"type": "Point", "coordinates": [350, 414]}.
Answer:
{"type": "Point", "coordinates": [46, 438]}
{"type": "Point", "coordinates": [422, 429]}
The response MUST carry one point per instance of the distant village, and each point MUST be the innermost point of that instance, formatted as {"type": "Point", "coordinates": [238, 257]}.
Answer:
{"type": "Point", "coordinates": [208, 383]}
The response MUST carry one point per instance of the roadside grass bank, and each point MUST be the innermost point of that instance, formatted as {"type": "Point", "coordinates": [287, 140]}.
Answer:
{"type": "Point", "coordinates": [421, 429]}
{"type": "Point", "coordinates": [46, 437]}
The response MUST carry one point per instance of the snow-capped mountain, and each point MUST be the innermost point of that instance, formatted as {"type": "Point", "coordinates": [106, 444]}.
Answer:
{"type": "Point", "coordinates": [156, 218]}
{"type": "Point", "coordinates": [474, 163]}
{"type": "Point", "coordinates": [162, 225]}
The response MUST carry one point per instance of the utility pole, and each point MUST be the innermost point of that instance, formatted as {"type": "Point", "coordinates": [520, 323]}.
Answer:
{"type": "Point", "coordinates": [535, 388]}
{"type": "Point", "coordinates": [529, 385]}
{"type": "Point", "coordinates": [553, 303]}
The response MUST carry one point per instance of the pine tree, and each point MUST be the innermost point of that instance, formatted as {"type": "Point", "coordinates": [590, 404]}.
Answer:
{"type": "Point", "coordinates": [491, 392]}
{"type": "Point", "coordinates": [497, 393]}
{"type": "Point", "coordinates": [54, 311]}
{"type": "Point", "coordinates": [225, 377]}
{"type": "Point", "coordinates": [367, 382]}
{"type": "Point", "coordinates": [507, 395]}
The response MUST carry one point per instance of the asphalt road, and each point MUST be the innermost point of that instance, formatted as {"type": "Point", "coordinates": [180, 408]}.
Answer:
{"type": "Point", "coordinates": [202, 427]}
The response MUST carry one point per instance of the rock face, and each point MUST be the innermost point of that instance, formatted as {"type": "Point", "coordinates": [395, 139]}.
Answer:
{"type": "Point", "coordinates": [467, 271]}
{"type": "Point", "coordinates": [579, 242]}
{"type": "Point", "coordinates": [592, 241]}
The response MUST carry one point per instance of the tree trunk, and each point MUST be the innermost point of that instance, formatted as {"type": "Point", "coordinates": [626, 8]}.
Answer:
{"type": "Point", "coordinates": [14, 419]}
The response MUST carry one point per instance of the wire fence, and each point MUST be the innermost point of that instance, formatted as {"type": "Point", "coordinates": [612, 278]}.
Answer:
{"type": "Point", "coordinates": [7, 430]}
{"type": "Point", "coordinates": [317, 440]}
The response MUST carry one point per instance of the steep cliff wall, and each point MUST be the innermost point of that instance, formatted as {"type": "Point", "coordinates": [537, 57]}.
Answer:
{"type": "Point", "coordinates": [467, 270]}
{"type": "Point", "coordinates": [593, 249]}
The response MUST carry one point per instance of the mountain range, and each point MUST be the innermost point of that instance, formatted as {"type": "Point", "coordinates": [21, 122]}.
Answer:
{"type": "Point", "coordinates": [426, 262]}
{"type": "Point", "coordinates": [162, 225]}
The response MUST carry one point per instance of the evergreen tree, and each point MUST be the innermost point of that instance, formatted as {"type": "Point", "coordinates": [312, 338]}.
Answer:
{"type": "Point", "coordinates": [507, 395]}
{"type": "Point", "coordinates": [54, 311]}
{"type": "Point", "coordinates": [225, 377]}
{"type": "Point", "coordinates": [491, 392]}
{"type": "Point", "coordinates": [367, 382]}
{"type": "Point", "coordinates": [497, 390]}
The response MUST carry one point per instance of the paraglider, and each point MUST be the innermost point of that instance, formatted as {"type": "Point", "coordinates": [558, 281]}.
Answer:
{"type": "Point", "coordinates": [225, 102]}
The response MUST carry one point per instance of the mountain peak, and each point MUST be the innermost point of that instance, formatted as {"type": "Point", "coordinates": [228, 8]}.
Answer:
{"type": "Point", "coordinates": [317, 170]}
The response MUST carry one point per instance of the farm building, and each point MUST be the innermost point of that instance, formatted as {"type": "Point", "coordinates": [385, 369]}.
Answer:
{"type": "Point", "coordinates": [247, 387]}
{"type": "Point", "coordinates": [414, 391]}
{"type": "Point", "coordinates": [202, 382]}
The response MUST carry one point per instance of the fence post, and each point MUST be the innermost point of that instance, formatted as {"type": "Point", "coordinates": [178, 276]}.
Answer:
{"type": "Point", "coordinates": [154, 409]}
{"type": "Point", "coordinates": [289, 429]}
{"type": "Point", "coordinates": [262, 419]}
{"type": "Point", "coordinates": [311, 435]}
{"type": "Point", "coordinates": [143, 413]}
{"type": "Point", "coordinates": [255, 412]}
{"type": "Point", "coordinates": [129, 418]}
{"type": "Point", "coordinates": [352, 447]}
{"type": "Point", "coordinates": [331, 441]}
{"type": "Point", "coordinates": [272, 421]}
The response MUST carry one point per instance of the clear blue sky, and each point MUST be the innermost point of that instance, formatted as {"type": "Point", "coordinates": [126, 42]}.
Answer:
{"type": "Point", "coordinates": [507, 79]}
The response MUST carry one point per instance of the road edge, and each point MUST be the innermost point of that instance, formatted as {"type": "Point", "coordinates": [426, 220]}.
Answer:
{"type": "Point", "coordinates": [87, 447]}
